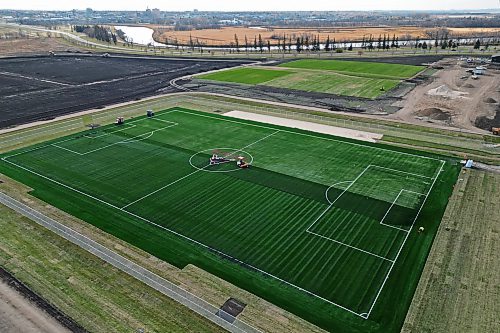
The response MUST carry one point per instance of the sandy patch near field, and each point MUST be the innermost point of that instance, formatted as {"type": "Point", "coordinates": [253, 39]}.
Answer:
{"type": "Point", "coordinates": [319, 128]}
{"type": "Point", "coordinates": [18, 315]}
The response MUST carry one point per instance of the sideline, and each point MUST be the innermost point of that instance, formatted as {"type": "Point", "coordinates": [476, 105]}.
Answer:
{"type": "Point", "coordinates": [156, 282]}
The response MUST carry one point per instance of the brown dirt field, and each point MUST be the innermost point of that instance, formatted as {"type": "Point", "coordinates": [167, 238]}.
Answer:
{"type": "Point", "coordinates": [459, 288]}
{"type": "Point", "coordinates": [23, 46]}
{"type": "Point", "coordinates": [225, 36]}
{"type": "Point", "coordinates": [18, 315]}
{"type": "Point", "coordinates": [461, 111]}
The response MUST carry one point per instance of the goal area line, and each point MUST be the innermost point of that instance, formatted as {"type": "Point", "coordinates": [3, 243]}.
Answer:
{"type": "Point", "coordinates": [364, 315]}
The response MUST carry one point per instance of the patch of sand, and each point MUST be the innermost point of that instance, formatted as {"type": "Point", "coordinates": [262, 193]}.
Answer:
{"type": "Point", "coordinates": [18, 315]}
{"type": "Point", "coordinates": [445, 91]}
{"type": "Point", "coordinates": [319, 128]}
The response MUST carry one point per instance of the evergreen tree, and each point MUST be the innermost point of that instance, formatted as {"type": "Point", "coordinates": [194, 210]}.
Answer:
{"type": "Point", "coordinates": [261, 44]}
{"type": "Point", "coordinates": [298, 45]}
{"type": "Point", "coordinates": [327, 44]}
{"type": "Point", "coordinates": [236, 42]}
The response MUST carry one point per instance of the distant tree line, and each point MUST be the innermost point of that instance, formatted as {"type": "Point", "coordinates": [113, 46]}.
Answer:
{"type": "Point", "coordinates": [98, 32]}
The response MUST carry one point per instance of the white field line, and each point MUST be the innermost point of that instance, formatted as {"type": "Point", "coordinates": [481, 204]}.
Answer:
{"type": "Point", "coordinates": [163, 187]}
{"type": "Point", "coordinates": [363, 315]}
{"type": "Point", "coordinates": [55, 224]}
{"type": "Point", "coordinates": [69, 139]}
{"type": "Point", "coordinates": [109, 133]}
{"type": "Point", "coordinates": [404, 241]}
{"type": "Point", "coordinates": [192, 173]}
{"type": "Point", "coordinates": [401, 171]}
{"type": "Point", "coordinates": [329, 207]}
{"type": "Point", "coordinates": [331, 186]}
{"type": "Point", "coordinates": [183, 236]}
{"type": "Point", "coordinates": [387, 213]}
{"type": "Point", "coordinates": [310, 135]}
{"type": "Point", "coordinates": [350, 246]}
{"type": "Point", "coordinates": [337, 198]}
{"type": "Point", "coordinates": [136, 138]}
{"type": "Point", "coordinates": [67, 149]}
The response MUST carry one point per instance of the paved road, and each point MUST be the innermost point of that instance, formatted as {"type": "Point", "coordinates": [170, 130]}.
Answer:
{"type": "Point", "coordinates": [151, 279]}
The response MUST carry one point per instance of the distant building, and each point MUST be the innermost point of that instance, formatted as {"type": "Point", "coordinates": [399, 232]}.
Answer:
{"type": "Point", "coordinates": [495, 58]}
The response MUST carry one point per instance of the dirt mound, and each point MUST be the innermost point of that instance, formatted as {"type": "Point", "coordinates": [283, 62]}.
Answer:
{"type": "Point", "coordinates": [486, 123]}
{"type": "Point", "coordinates": [445, 91]}
{"type": "Point", "coordinates": [490, 100]}
{"type": "Point", "coordinates": [435, 114]}
{"type": "Point", "coordinates": [468, 85]}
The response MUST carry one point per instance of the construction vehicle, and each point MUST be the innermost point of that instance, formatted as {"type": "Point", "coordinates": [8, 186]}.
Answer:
{"type": "Point", "coordinates": [495, 130]}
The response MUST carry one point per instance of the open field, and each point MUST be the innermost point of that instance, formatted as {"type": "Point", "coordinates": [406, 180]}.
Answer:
{"type": "Point", "coordinates": [458, 291]}
{"type": "Point", "coordinates": [347, 78]}
{"type": "Point", "coordinates": [364, 69]}
{"type": "Point", "coordinates": [46, 87]}
{"type": "Point", "coordinates": [292, 247]}
{"type": "Point", "coordinates": [225, 36]}
{"type": "Point", "coordinates": [246, 75]}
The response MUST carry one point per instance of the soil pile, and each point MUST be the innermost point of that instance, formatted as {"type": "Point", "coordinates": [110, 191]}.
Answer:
{"type": "Point", "coordinates": [487, 123]}
{"type": "Point", "coordinates": [445, 91]}
{"type": "Point", "coordinates": [468, 85]}
{"type": "Point", "coordinates": [490, 100]}
{"type": "Point", "coordinates": [435, 114]}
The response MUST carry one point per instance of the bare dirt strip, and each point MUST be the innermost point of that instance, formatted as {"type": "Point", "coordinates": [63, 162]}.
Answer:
{"type": "Point", "coordinates": [308, 126]}
{"type": "Point", "coordinates": [459, 288]}
{"type": "Point", "coordinates": [18, 315]}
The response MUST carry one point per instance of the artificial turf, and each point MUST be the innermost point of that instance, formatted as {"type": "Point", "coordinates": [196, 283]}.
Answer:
{"type": "Point", "coordinates": [381, 70]}
{"type": "Point", "coordinates": [313, 226]}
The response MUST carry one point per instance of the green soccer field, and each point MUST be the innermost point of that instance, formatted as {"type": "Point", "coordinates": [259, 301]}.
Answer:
{"type": "Point", "coordinates": [367, 68]}
{"type": "Point", "coordinates": [348, 78]}
{"type": "Point", "coordinates": [321, 226]}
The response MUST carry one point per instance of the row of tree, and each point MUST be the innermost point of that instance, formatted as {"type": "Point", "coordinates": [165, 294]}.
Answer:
{"type": "Point", "coordinates": [98, 32]}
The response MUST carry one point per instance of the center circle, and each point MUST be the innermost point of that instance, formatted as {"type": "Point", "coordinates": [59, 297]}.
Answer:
{"type": "Point", "coordinates": [201, 159]}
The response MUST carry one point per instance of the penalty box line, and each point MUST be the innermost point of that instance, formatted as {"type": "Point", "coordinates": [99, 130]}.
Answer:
{"type": "Point", "coordinates": [73, 138]}
{"type": "Point", "coordinates": [185, 237]}
{"type": "Point", "coordinates": [366, 315]}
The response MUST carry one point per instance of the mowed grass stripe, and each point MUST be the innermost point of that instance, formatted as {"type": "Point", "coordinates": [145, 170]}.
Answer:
{"type": "Point", "coordinates": [253, 221]}
{"type": "Point", "coordinates": [335, 83]}
{"type": "Point", "coordinates": [246, 75]}
{"type": "Point", "coordinates": [362, 67]}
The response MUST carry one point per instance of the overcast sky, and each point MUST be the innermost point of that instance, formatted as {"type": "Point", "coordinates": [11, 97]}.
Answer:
{"type": "Point", "coordinates": [252, 5]}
